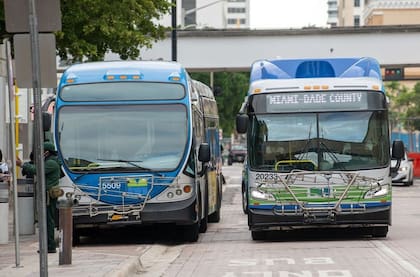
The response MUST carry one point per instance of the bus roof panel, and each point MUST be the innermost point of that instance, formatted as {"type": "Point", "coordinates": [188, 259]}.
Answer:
{"type": "Point", "coordinates": [158, 71]}
{"type": "Point", "coordinates": [315, 68]}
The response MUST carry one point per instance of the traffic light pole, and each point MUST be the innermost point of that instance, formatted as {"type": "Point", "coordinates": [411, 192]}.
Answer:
{"type": "Point", "coordinates": [174, 34]}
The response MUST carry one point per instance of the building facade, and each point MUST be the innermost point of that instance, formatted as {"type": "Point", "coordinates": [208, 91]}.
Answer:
{"type": "Point", "coordinates": [332, 20]}
{"type": "Point", "coordinates": [212, 14]}
{"type": "Point", "coordinates": [374, 12]}
{"type": "Point", "coordinates": [350, 12]}
{"type": "Point", "coordinates": [392, 12]}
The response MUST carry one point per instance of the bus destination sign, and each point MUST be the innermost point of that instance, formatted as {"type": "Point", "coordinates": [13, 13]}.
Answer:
{"type": "Point", "coordinates": [316, 101]}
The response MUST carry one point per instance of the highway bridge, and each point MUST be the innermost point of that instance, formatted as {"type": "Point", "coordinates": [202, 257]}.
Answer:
{"type": "Point", "coordinates": [234, 50]}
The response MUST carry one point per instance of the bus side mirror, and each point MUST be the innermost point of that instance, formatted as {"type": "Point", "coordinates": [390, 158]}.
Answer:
{"type": "Point", "coordinates": [46, 121]}
{"type": "Point", "coordinates": [204, 152]}
{"type": "Point", "coordinates": [397, 150]}
{"type": "Point", "coordinates": [241, 123]}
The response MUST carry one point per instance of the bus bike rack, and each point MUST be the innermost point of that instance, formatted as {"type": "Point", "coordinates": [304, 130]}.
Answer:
{"type": "Point", "coordinates": [97, 206]}
{"type": "Point", "coordinates": [321, 213]}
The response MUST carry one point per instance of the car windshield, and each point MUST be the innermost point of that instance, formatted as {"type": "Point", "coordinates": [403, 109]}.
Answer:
{"type": "Point", "coordinates": [123, 137]}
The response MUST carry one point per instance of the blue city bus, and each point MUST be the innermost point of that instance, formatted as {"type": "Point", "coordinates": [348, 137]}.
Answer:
{"type": "Point", "coordinates": [318, 146]}
{"type": "Point", "coordinates": [139, 144]}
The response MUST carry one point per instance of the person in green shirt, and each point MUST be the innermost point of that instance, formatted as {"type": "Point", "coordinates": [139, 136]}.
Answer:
{"type": "Point", "coordinates": [52, 168]}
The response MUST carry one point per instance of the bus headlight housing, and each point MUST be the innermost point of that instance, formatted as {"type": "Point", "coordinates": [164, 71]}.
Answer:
{"type": "Point", "coordinates": [259, 194]}
{"type": "Point", "coordinates": [378, 191]}
{"type": "Point", "coordinates": [176, 192]}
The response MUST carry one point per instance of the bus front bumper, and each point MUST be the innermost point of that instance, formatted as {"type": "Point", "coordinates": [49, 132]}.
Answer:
{"type": "Point", "coordinates": [262, 219]}
{"type": "Point", "coordinates": [180, 213]}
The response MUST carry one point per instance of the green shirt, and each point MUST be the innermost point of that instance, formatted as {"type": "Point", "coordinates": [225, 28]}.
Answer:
{"type": "Point", "coordinates": [51, 168]}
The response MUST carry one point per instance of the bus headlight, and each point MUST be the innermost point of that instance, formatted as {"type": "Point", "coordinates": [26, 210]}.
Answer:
{"type": "Point", "coordinates": [173, 193]}
{"type": "Point", "coordinates": [378, 191]}
{"type": "Point", "coordinates": [261, 195]}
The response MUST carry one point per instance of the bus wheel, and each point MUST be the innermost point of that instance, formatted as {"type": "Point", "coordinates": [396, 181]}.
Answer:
{"type": "Point", "coordinates": [215, 217]}
{"type": "Point", "coordinates": [258, 235]}
{"type": "Point", "coordinates": [76, 237]}
{"type": "Point", "coordinates": [204, 221]}
{"type": "Point", "coordinates": [380, 231]}
{"type": "Point", "coordinates": [244, 199]}
{"type": "Point", "coordinates": [190, 233]}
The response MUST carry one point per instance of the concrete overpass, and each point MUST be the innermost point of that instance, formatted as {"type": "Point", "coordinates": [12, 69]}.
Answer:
{"type": "Point", "coordinates": [235, 50]}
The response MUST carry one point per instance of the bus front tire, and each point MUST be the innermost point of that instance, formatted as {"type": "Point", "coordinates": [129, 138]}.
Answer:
{"type": "Point", "coordinates": [380, 231]}
{"type": "Point", "coordinates": [244, 199]}
{"type": "Point", "coordinates": [215, 217]}
{"type": "Point", "coordinates": [258, 235]}
{"type": "Point", "coordinates": [204, 221]}
{"type": "Point", "coordinates": [190, 233]}
{"type": "Point", "coordinates": [75, 237]}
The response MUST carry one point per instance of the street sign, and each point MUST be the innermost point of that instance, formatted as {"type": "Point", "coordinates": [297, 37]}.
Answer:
{"type": "Point", "coordinates": [23, 61]}
{"type": "Point", "coordinates": [16, 15]}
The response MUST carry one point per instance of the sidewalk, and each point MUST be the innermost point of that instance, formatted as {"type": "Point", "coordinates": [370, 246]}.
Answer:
{"type": "Point", "coordinates": [84, 262]}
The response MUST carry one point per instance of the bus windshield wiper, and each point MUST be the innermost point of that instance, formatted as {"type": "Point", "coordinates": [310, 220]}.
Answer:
{"type": "Point", "coordinates": [332, 155]}
{"type": "Point", "coordinates": [307, 145]}
{"type": "Point", "coordinates": [133, 163]}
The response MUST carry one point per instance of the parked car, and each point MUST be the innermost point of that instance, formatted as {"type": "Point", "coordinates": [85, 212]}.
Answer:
{"type": "Point", "coordinates": [405, 173]}
{"type": "Point", "coordinates": [237, 153]}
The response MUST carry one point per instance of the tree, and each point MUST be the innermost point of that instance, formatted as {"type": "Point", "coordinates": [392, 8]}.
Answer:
{"type": "Point", "coordinates": [405, 105]}
{"type": "Point", "coordinates": [234, 87]}
{"type": "Point", "coordinates": [91, 28]}
{"type": "Point", "coordinates": [394, 91]}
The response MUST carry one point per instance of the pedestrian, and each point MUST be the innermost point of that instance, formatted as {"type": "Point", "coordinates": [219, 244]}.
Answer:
{"type": "Point", "coordinates": [4, 169]}
{"type": "Point", "coordinates": [28, 175]}
{"type": "Point", "coordinates": [52, 177]}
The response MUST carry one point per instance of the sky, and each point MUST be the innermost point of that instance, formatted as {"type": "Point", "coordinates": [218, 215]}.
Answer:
{"type": "Point", "coordinates": [280, 14]}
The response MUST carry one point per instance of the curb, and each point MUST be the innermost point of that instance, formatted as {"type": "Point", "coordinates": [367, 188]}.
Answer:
{"type": "Point", "coordinates": [127, 268]}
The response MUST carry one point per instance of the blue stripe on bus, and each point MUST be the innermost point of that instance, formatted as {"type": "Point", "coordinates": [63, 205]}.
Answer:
{"type": "Point", "coordinates": [342, 206]}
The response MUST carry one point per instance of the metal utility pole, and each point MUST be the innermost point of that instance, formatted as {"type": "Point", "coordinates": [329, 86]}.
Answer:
{"type": "Point", "coordinates": [174, 34]}
{"type": "Point", "coordinates": [12, 140]}
{"type": "Point", "coordinates": [21, 19]}
{"type": "Point", "coordinates": [39, 138]}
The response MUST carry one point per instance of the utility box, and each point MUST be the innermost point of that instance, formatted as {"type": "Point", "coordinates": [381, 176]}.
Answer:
{"type": "Point", "coordinates": [26, 206]}
{"type": "Point", "coordinates": [4, 213]}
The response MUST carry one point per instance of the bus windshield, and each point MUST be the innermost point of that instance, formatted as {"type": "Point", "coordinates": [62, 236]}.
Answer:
{"type": "Point", "coordinates": [319, 141]}
{"type": "Point", "coordinates": [122, 137]}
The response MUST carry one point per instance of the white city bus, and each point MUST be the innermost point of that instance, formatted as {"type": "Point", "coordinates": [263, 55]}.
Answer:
{"type": "Point", "coordinates": [318, 146]}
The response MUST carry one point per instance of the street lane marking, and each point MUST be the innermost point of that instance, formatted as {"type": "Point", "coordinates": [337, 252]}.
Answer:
{"type": "Point", "coordinates": [397, 258]}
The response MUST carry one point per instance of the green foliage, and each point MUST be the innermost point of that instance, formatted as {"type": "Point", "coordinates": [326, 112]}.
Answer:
{"type": "Point", "coordinates": [234, 87]}
{"type": "Point", "coordinates": [91, 28]}
{"type": "Point", "coordinates": [404, 105]}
